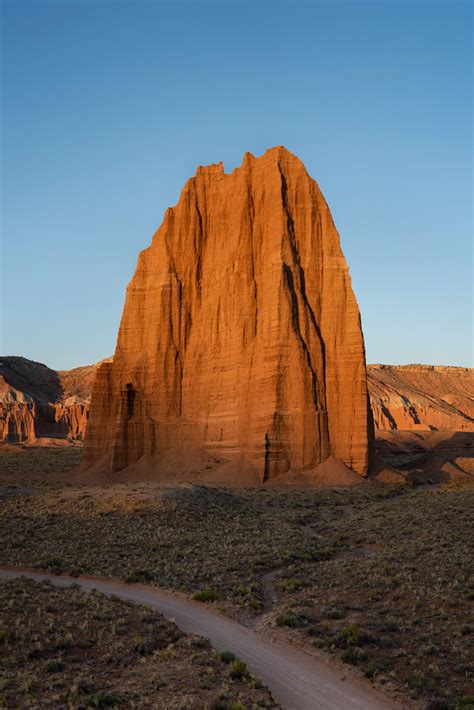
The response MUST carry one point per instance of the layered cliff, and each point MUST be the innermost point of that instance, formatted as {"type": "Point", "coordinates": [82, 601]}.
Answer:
{"type": "Point", "coordinates": [55, 404]}
{"type": "Point", "coordinates": [240, 337]}
{"type": "Point", "coordinates": [422, 397]}
{"type": "Point", "coordinates": [37, 402]}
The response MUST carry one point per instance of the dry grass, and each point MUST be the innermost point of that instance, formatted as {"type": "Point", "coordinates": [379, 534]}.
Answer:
{"type": "Point", "coordinates": [188, 539]}
{"type": "Point", "coordinates": [26, 464]}
{"type": "Point", "coordinates": [378, 576]}
{"type": "Point", "coordinates": [77, 649]}
{"type": "Point", "coordinates": [397, 601]}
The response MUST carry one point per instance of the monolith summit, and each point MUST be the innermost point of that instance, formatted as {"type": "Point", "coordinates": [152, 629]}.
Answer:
{"type": "Point", "coordinates": [240, 338]}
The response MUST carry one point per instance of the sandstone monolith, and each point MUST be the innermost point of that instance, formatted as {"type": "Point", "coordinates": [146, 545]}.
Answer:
{"type": "Point", "coordinates": [240, 338]}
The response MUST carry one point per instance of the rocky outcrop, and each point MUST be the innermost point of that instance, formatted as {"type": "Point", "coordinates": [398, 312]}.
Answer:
{"type": "Point", "coordinates": [37, 402]}
{"type": "Point", "coordinates": [240, 335]}
{"type": "Point", "coordinates": [403, 397]}
{"type": "Point", "coordinates": [28, 421]}
{"type": "Point", "coordinates": [422, 397]}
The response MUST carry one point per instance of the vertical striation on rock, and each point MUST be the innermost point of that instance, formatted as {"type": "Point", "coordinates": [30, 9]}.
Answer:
{"type": "Point", "coordinates": [240, 334]}
{"type": "Point", "coordinates": [38, 403]}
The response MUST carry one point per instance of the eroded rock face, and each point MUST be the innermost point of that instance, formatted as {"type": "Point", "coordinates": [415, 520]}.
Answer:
{"type": "Point", "coordinates": [403, 397]}
{"type": "Point", "coordinates": [28, 421]}
{"type": "Point", "coordinates": [422, 397]}
{"type": "Point", "coordinates": [240, 334]}
{"type": "Point", "coordinates": [37, 402]}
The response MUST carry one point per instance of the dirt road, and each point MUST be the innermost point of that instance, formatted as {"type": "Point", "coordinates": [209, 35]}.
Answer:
{"type": "Point", "coordinates": [297, 680]}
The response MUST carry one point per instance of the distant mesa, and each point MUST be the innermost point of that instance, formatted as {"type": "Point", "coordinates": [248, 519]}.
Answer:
{"type": "Point", "coordinates": [240, 342]}
{"type": "Point", "coordinates": [422, 397]}
{"type": "Point", "coordinates": [41, 406]}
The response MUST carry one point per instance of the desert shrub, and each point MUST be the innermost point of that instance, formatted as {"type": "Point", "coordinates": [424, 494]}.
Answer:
{"type": "Point", "coordinates": [55, 564]}
{"type": "Point", "coordinates": [348, 636]}
{"type": "Point", "coordinates": [205, 595]}
{"type": "Point", "coordinates": [199, 642]}
{"type": "Point", "coordinates": [353, 655]}
{"type": "Point", "coordinates": [292, 584]}
{"type": "Point", "coordinates": [377, 667]}
{"type": "Point", "coordinates": [293, 621]}
{"type": "Point", "coordinates": [315, 631]}
{"type": "Point", "coordinates": [352, 634]}
{"type": "Point", "coordinates": [391, 625]}
{"type": "Point", "coordinates": [55, 666]}
{"type": "Point", "coordinates": [335, 614]}
{"type": "Point", "coordinates": [227, 656]}
{"type": "Point", "coordinates": [103, 699]}
{"type": "Point", "coordinates": [165, 655]}
{"type": "Point", "coordinates": [439, 704]}
{"type": "Point", "coordinates": [140, 576]}
{"type": "Point", "coordinates": [238, 670]}
{"type": "Point", "coordinates": [144, 649]}
{"type": "Point", "coordinates": [418, 680]}
{"type": "Point", "coordinates": [85, 687]}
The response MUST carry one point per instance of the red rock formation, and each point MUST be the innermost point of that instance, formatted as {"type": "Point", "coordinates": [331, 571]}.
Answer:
{"type": "Point", "coordinates": [37, 402]}
{"type": "Point", "coordinates": [240, 335]}
{"type": "Point", "coordinates": [422, 397]}
{"type": "Point", "coordinates": [17, 422]}
{"type": "Point", "coordinates": [403, 397]}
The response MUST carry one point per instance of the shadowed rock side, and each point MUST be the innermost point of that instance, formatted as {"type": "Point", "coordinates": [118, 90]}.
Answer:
{"type": "Point", "coordinates": [422, 397]}
{"type": "Point", "coordinates": [240, 335]}
{"type": "Point", "coordinates": [38, 403]}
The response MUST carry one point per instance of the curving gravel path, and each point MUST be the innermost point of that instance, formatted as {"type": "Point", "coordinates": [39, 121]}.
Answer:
{"type": "Point", "coordinates": [297, 680]}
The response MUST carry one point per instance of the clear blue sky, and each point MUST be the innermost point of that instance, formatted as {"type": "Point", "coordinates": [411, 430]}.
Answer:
{"type": "Point", "coordinates": [108, 107]}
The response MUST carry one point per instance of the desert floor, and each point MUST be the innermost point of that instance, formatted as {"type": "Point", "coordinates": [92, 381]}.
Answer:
{"type": "Point", "coordinates": [377, 577]}
{"type": "Point", "coordinates": [297, 679]}
{"type": "Point", "coordinates": [73, 648]}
